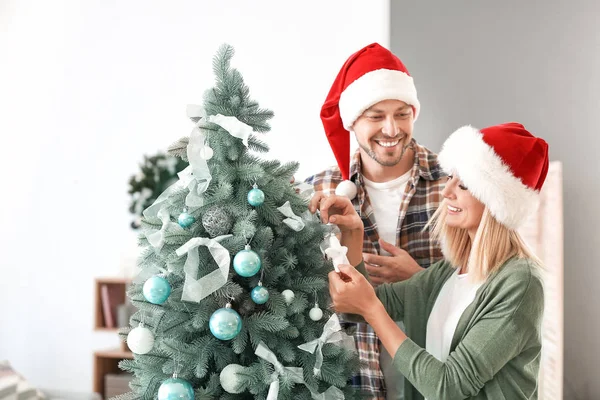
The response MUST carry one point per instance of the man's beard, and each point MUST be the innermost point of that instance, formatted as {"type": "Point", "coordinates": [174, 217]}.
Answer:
{"type": "Point", "coordinates": [371, 153]}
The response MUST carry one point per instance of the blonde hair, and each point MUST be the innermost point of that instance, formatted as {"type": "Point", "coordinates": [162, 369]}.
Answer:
{"type": "Point", "coordinates": [491, 247]}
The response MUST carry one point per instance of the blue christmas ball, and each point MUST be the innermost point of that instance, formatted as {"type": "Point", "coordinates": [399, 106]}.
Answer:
{"type": "Point", "coordinates": [246, 263]}
{"type": "Point", "coordinates": [225, 323]}
{"type": "Point", "coordinates": [157, 289]}
{"type": "Point", "coordinates": [259, 295]}
{"type": "Point", "coordinates": [175, 389]}
{"type": "Point", "coordinates": [185, 220]}
{"type": "Point", "coordinates": [256, 197]}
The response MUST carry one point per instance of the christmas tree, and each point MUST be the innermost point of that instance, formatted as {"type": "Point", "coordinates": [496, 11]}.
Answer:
{"type": "Point", "coordinates": [232, 296]}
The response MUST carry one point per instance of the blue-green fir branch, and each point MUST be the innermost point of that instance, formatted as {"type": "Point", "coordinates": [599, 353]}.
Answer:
{"type": "Point", "coordinates": [258, 145]}
{"type": "Point", "coordinates": [310, 284]}
{"type": "Point", "coordinates": [212, 389]}
{"type": "Point", "coordinates": [240, 342]}
{"type": "Point", "coordinates": [299, 304]}
{"type": "Point", "coordinates": [269, 213]}
{"type": "Point", "coordinates": [276, 303]}
{"type": "Point", "coordinates": [179, 148]}
{"type": "Point", "coordinates": [152, 223]}
{"type": "Point", "coordinates": [229, 290]}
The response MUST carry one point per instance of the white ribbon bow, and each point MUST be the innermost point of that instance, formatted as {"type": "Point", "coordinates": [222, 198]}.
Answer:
{"type": "Point", "coordinates": [293, 373]}
{"type": "Point", "coordinates": [331, 334]}
{"type": "Point", "coordinates": [234, 126]}
{"type": "Point", "coordinates": [293, 221]}
{"type": "Point", "coordinates": [195, 289]}
{"type": "Point", "coordinates": [335, 251]}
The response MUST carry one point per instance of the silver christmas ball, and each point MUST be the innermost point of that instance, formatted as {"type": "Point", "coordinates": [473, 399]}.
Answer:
{"type": "Point", "coordinates": [217, 221]}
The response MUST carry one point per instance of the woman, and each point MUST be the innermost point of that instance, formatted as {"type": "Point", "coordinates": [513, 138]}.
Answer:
{"type": "Point", "coordinates": [472, 320]}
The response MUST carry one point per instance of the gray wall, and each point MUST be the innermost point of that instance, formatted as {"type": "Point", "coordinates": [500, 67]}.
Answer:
{"type": "Point", "coordinates": [487, 62]}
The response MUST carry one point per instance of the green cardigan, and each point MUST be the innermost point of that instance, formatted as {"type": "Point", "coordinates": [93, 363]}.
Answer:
{"type": "Point", "coordinates": [495, 352]}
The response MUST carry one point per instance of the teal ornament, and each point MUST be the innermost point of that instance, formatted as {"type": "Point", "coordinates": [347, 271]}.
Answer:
{"type": "Point", "coordinates": [246, 263]}
{"type": "Point", "coordinates": [259, 295]}
{"type": "Point", "coordinates": [256, 197]}
{"type": "Point", "coordinates": [157, 289]}
{"type": "Point", "coordinates": [225, 323]}
{"type": "Point", "coordinates": [185, 220]}
{"type": "Point", "coordinates": [175, 389]}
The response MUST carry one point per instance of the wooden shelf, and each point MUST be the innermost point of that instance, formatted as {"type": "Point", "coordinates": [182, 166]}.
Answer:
{"type": "Point", "coordinates": [107, 362]}
{"type": "Point", "coordinates": [109, 293]}
{"type": "Point", "coordinates": [116, 293]}
{"type": "Point", "coordinates": [114, 353]}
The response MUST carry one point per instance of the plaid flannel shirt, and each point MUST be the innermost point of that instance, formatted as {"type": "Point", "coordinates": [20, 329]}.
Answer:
{"type": "Point", "coordinates": [421, 198]}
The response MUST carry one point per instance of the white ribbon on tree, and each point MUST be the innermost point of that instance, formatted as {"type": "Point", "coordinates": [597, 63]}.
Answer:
{"type": "Point", "coordinates": [199, 169]}
{"type": "Point", "coordinates": [196, 177]}
{"type": "Point", "coordinates": [294, 374]}
{"type": "Point", "coordinates": [185, 179]}
{"type": "Point", "coordinates": [335, 251]}
{"type": "Point", "coordinates": [157, 238]}
{"type": "Point", "coordinates": [293, 221]}
{"type": "Point", "coordinates": [195, 289]}
{"type": "Point", "coordinates": [332, 333]}
{"type": "Point", "coordinates": [234, 126]}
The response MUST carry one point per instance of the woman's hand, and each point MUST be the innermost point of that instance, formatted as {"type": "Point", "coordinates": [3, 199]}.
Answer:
{"type": "Point", "coordinates": [351, 292]}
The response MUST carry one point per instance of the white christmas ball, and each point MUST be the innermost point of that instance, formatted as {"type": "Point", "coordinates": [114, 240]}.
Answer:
{"type": "Point", "coordinates": [346, 188]}
{"type": "Point", "coordinates": [140, 340]}
{"type": "Point", "coordinates": [206, 153]}
{"type": "Point", "coordinates": [315, 313]}
{"type": "Point", "coordinates": [229, 379]}
{"type": "Point", "coordinates": [288, 295]}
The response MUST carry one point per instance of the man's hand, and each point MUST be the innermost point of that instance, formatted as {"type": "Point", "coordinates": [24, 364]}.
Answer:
{"type": "Point", "coordinates": [340, 211]}
{"type": "Point", "coordinates": [337, 210]}
{"type": "Point", "coordinates": [388, 269]}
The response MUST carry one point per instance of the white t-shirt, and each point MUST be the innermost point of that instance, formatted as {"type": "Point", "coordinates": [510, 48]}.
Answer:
{"type": "Point", "coordinates": [456, 295]}
{"type": "Point", "coordinates": [385, 201]}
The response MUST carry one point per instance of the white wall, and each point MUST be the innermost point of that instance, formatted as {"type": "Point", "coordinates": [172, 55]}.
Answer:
{"type": "Point", "coordinates": [536, 62]}
{"type": "Point", "coordinates": [87, 88]}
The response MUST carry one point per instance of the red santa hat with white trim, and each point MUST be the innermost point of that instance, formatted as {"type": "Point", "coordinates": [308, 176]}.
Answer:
{"type": "Point", "coordinates": [370, 75]}
{"type": "Point", "coordinates": [503, 166]}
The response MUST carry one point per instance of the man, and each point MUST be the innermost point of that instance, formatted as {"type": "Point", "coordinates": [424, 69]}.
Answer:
{"type": "Point", "coordinates": [394, 183]}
